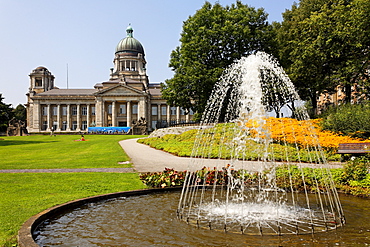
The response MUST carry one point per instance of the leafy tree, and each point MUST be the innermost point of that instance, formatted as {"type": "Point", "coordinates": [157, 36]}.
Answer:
{"type": "Point", "coordinates": [5, 114]}
{"type": "Point", "coordinates": [212, 39]}
{"type": "Point", "coordinates": [323, 44]}
{"type": "Point", "coordinates": [20, 112]}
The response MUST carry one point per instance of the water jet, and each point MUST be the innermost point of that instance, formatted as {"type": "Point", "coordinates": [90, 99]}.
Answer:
{"type": "Point", "coordinates": [262, 205]}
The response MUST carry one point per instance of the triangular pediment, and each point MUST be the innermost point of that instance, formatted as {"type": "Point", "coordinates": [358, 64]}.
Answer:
{"type": "Point", "coordinates": [118, 90]}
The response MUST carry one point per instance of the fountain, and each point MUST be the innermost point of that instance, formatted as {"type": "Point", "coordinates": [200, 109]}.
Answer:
{"type": "Point", "coordinates": [223, 199]}
{"type": "Point", "coordinates": [241, 194]}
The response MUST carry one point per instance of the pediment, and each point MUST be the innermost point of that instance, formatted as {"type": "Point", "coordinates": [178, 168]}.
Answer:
{"type": "Point", "coordinates": [120, 90]}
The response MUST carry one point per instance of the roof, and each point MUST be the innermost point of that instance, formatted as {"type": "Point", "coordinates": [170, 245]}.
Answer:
{"type": "Point", "coordinates": [69, 92]}
{"type": "Point", "coordinates": [155, 89]}
{"type": "Point", "coordinates": [129, 44]}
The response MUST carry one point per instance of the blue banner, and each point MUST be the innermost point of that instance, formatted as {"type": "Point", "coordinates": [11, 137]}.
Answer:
{"type": "Point", "coordinates": [108, 130]}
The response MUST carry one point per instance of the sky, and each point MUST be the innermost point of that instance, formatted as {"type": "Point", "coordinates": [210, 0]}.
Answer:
{"type": "Point", "coordinates": [82, 35]}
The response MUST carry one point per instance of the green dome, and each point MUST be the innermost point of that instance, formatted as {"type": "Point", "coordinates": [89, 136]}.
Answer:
{"type": "Point", "coordinates": [129, 44]}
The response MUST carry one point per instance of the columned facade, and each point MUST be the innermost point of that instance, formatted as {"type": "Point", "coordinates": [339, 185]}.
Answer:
{"type": "Point", "coordinates": [122, 101]}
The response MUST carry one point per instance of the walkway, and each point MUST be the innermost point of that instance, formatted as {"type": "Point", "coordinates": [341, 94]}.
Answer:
{"type": "Point", "coordinates": [147, 159]}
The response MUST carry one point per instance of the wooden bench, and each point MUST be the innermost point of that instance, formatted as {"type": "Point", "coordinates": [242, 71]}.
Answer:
{"type": "Point", "coordinates": [354, 148]}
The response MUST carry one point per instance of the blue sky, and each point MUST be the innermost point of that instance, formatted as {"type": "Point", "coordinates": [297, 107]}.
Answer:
{"type": "Point", "coordinates": [84, 35]}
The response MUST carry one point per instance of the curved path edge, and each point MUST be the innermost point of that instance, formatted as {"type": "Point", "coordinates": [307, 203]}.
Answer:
{"type": "Point", "coordinates": [147, 159]}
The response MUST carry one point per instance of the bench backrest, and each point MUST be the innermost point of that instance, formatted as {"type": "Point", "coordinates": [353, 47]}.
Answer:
{"type": "Point", "coordinates": [349, 148]}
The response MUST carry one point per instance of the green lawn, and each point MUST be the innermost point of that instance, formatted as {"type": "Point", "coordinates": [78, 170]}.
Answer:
{"type": "Point", "coordinates": [26, 194]}
{"type": "Point", "coordinates": [35, 152]}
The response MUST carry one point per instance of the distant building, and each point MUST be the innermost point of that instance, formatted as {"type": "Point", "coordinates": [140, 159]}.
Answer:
{"type": "Point", "coordinates": [125, 98]}
{"type": "Point", "coordinates": [338, 97]}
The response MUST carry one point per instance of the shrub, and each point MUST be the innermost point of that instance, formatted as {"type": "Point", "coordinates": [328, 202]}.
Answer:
{"type": "Point", "coordinates": [351, 120]}
{"type": "Point", "coordinates": [284, 174]}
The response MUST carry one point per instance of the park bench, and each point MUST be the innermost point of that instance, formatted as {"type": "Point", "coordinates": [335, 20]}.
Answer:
{"type": "Point", "coordinates": [354, 148]}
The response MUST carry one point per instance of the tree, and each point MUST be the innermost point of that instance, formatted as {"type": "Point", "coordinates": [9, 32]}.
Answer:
{"type": "Point", "coordinates": [323, 44]}
{"type": "Point", "coordinates": [20, 113]}
{"type": "Point", "coordinates": [211, 40]}
{"type": "Point", "coordinates": [5, 114]}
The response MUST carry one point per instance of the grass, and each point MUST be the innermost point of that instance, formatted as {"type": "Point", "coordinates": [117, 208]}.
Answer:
{"type": "Point", "coordinates": [26, 194]}
{"type": "Point", "coordinates": [46, 152]}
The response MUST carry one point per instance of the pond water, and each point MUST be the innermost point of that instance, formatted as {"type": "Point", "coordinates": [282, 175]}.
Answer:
{"type": "Point", "coordinates": [150, 220]}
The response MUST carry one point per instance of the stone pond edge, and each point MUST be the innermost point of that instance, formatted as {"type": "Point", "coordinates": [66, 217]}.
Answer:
{"type": "Point", "coordinates": [25, 236]}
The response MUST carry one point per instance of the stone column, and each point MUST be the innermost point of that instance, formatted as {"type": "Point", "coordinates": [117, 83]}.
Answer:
{"type": "Point", "coordinates": [88, 116]}
{"type": "Point", "coordinates": [128, 113]}
{"type": "Point", "coordinates": [103, 120]}
{"type": "Point", "coordinates": [78, 117]}
{"type": "Point", "coordinates": [36, 116]}
{"type": "Point", "coordinates": [114, 114]}
{"type": "Point", "coordinates": [178, 114]}
{"type": "Point", "coordinates": [48, 112]}
{"type": "Point", "coordinates": [59, 120]}
{"type": "Point", "coordinates": [98, 112]}
{"type": "Point", "coordinates": [159, 113]}
{"type": "Point", "coordinates": [68, 117]}
{"type": "Point", "coordinates": [168, 114]}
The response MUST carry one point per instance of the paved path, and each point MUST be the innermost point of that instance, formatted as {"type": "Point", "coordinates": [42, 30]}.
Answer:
{"type": "Point", "coordinates": [147, 159]}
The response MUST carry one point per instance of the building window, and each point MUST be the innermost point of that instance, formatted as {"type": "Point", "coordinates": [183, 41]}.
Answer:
{"type": "Point", "coordinates": [74, 110]}
{"type": "Point", "coordinates": [164, 110]}
{"type": "Point", "coordinates": [38, 82]}
{"type": "Point", "coordinates": [44, 125]}
{"type": "Point", "coordinates": [173, 110]}
{"type": "Point", "coordinates": [154, 110]}
{"type": "Point", "coordinates": [64, 125]}
{"type": "Point", "coordinates": [109, 109]}
{"type": "Point", "coordinates": [55, 125]}
{"type": "Point", "coordinates": [74, 125]}
{"type": "Point", "coordinates": [55, 110]}
{"type": "Point", "coordinates": [44, 110]}
{"type": "Point", "coordinates": [84, 125]}
{"type": "Point", "coordinates": [154, 124]}
{"type": "Point", "coordinates": [84, 110]}
{"type": "Point", "coordinates": [182, 111]}
{"type": "Point", "coordinates": [134, 109]}
{"type": "Point", "coordinates": [93, 110]}
{"type": "Point", "coordinates": [122, 124]}
{"type": "Point", "coordinates": [191, 112]}
{"type": "Point", "coordinates": [122, 109]}
{"type": "Point", "coordinates": [64, 110]}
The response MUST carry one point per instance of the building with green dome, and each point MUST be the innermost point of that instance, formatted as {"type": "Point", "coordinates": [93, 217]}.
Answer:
{"type": "Point", "coordinates": [124, 100]}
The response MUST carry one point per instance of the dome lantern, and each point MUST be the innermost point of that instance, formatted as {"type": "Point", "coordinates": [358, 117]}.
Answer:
{"type": "Point", "coordinates": [129, 45]}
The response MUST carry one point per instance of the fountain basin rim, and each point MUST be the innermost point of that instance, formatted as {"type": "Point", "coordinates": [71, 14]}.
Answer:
{"type": "Point", "coordinates": [25, 236]}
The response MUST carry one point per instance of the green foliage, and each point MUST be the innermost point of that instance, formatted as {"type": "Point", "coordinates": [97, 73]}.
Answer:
{"type": "Point", "coordinates": [212, 39]}
{"type": "Point", "coordinates": [167, 178]}
{"type": "Point", "coordinates": [287, 177]}
{"type": "Point", "coordinates": [20, 112]}
{"type": "Point", "coordinates": [324, 43]}
{"type": "Point", "coordinates": [6, 113]}
{"type": "Point", "coordinates": [182, 145]}
{"type": "Point", "coordinates": [356, 169]}
{"type": "Point", "coordinates": [351, 120]}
